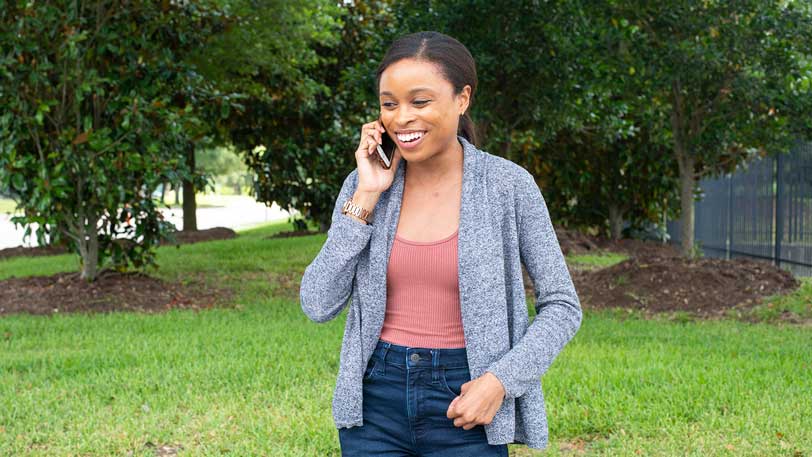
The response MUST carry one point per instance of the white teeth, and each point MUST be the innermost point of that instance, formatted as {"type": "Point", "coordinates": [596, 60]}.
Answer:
{"type": "Point", "coordinates": [410, 136]}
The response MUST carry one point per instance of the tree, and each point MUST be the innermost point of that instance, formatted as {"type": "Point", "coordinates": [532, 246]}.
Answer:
{"type": "Point", "coordinates": [90, 127]}
{"type": "Point", "coordinates": [274, 59]}
{"type": "Point", "coordinates": [728, 78]}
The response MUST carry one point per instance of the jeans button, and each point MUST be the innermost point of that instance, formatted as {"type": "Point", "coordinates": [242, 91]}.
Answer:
{"type": "Point", "coordinates": [415, 357]}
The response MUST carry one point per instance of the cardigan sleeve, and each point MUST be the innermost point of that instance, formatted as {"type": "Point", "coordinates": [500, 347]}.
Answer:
{"type": "Point", "coordinates": [558, 309]}
{"type": "Point", "coordinates": [327, 282]}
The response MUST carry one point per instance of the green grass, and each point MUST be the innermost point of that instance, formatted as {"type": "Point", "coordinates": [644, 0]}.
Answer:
{"type": "Point", "coordinates": [794, 306]}
{"type": "Point", "coordinates": [258, 379]}
{"type": "Point", "coordinates": [593, 261]}
{"type": "Point", "coordinates": [7, 206]}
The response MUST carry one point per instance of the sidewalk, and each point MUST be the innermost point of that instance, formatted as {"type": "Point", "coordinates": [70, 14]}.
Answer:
{"type": "Point", "coordinates": [239, 213]}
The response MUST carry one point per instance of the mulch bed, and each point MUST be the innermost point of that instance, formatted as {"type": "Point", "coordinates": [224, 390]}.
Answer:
{"type": "Point", "coordinates": [35, 251]}
{"type": "Point", "coordinates": [183, 237]}
{"type": "Point", "coordinates": [656, 278]}
{"type": "Point", "coordinates": [292, 233]}
{"type": "Point", "coordinates": [196, 236]}
{"type": "Point", "coordinates": [703, 287]}
{"type": "Point", "coordinates": [575, 243]}
{"type": "Point", "coordinates": [111, 291]}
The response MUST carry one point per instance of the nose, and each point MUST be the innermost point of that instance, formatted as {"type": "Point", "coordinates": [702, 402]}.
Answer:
{"type": "Point", "coordinates": [404, 115]}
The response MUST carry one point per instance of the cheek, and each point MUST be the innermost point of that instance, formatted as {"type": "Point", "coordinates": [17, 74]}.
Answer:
{"type": "Point", "coordinates": [438, 119]}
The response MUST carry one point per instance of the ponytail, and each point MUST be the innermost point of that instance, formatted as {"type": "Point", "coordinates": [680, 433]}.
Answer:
{"type": "Point", "coordinates": [467, 129]}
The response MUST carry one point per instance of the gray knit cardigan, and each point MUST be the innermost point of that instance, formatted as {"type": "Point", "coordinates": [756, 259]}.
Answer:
{"type": "Point", "coordinates": [503, 222]}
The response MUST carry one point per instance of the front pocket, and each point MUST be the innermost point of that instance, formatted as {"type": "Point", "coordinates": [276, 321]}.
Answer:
{"type": "Point", "coordinates": [453, 379]}
{"type": "Point", "coordinates": [371, 370]}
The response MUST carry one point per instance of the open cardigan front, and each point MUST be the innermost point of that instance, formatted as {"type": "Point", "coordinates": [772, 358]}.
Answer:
{"type": "Point", "coordinates": [503, 223]}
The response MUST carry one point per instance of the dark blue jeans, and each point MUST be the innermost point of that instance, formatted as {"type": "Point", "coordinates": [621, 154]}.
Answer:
{"type": "Point", "coordinates": [406, 395]}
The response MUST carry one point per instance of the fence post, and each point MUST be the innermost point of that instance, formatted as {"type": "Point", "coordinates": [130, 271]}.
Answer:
{"type": "Point", "coordinates": [779, 210]}
{"type": "Point", "coordinates": [729, 243]}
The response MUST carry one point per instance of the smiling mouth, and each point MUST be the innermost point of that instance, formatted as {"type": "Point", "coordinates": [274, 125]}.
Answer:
{"type": "Point", "coordinates": [412, 137]}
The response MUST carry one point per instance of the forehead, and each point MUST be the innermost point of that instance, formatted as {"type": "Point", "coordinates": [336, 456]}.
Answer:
{"type": "Point", "coordinates": [407, 75]}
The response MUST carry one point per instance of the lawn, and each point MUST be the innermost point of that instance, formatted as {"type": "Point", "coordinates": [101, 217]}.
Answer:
{"type": "Point", "coordinates": [258, 378]}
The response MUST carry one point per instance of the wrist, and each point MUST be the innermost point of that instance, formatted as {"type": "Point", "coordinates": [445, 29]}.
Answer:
{"type": "Point", "coordinates": [360, 206]}
{"type": "Point", "coordinates": [498, 382]}
{"type": "Point", "coordinates": [366, 199]}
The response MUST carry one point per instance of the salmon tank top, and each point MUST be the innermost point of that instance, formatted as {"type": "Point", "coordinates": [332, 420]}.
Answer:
{"type": "Point", "coordinates": [423, 295]}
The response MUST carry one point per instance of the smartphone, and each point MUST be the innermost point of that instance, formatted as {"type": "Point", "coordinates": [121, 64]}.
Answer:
{"type": "Point", "coordinates": [386, 151]}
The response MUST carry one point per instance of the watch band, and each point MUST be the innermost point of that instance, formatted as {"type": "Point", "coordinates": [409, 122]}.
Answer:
{"type": "Point", "coordinates": [357, 211]}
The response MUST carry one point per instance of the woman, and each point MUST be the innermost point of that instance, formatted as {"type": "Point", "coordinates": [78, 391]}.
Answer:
{"type": "Point", "coordinates": [437, 356]}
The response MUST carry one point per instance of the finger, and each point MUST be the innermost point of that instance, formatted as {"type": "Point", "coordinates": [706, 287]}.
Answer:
{"type": "Point", "coordinates": [451, 413]}
{"type": "Point", "coordinates": [460, 422]}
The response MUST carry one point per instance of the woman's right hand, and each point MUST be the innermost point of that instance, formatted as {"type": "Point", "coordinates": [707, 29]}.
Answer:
{"type": "Point", "coordinates": [372, 176]}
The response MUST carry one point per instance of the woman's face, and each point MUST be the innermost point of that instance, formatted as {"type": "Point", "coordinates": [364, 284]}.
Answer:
{"type": "Point", "coordinates": [419, 108]}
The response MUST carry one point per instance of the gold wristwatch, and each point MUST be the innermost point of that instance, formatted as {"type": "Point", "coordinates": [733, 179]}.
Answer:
{"type": "Point", "coordinates": [350, 207]}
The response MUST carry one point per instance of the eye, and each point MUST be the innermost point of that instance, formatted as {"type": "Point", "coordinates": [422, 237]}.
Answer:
{"type": "Point", "coordinates": [387, 104]}
{"type": "Point", "coordinates": [421, 102]}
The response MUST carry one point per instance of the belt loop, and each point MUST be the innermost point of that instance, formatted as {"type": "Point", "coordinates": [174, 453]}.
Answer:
{"type": "Point", "coordinates": [386, 345]}
{"type": "Point", "coordinates": [435, 361]}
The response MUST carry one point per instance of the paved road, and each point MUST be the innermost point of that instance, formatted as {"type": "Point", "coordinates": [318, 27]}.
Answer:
{"type": "Point", "coordinates": [242, 214]}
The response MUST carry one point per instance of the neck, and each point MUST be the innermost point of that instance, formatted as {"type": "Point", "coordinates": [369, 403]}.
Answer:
{"type": "Point", "coordinates": [445, 166]}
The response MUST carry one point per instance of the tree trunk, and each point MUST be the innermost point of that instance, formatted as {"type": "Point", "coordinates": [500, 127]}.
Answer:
{"type": "Point", "coordinates": [163, 193]}
{"type": "Point", "coordinates": [189, 204]}
{"type": "Point", "coordinates": [687, 175]}
{"type": "Point", "coordinates": [615, 221]}
{"type": "Point", "coordinates": [89, 248]}
{"type": "Point", "coordinates": [687, 184]}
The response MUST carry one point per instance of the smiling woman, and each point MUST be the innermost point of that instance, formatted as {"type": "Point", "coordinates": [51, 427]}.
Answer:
{"type": "Point", "coordinates": [437, 356]}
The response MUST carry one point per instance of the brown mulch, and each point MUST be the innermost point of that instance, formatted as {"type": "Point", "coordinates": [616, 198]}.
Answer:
{"type": "Point", "coordinates": [703, 287]}
{"type": "Point", "coordinates": [656, 278]}
{"type": "Point", "coordinates": [292, 233]}
{"type": "Point", "coordinates": [576, 243]}
{"type": "Point", "coordinates": [111, 291]}
{"type": "Point", "coordinates": [35, 251]}
{"type": "Point", "coordinates": [183, 237]}
{"type": "Point", "coordinates": [196, 236]}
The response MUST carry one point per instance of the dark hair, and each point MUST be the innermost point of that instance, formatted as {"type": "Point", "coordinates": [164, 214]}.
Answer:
{"type": "Point", "coordinates": [455, 61]}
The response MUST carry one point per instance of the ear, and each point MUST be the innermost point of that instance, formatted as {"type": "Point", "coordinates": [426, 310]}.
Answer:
{"type": "Point", "coordinates": [464, 99]}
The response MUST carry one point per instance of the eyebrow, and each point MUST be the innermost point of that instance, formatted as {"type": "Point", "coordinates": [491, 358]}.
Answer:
{"type": "Point", "coordinates": [416, 89]}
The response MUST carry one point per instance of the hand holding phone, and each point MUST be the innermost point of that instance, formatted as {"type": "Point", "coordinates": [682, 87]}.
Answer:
{"type": "Point", "coordinates": [377, 157]}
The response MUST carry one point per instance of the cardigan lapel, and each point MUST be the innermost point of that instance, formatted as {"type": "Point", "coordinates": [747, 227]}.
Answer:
{"type": "Point", "coordinates": [468, 235]}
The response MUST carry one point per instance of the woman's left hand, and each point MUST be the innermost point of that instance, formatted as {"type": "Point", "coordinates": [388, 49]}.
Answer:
{"type": "Point", "coordinates": [479, 400]}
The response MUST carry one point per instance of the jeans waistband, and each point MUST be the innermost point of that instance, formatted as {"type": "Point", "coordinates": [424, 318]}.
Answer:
{"type": "Point", "coordinates": [414, 357]}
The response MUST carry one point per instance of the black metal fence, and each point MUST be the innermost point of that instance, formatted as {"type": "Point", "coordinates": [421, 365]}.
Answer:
{"type": "Point", "coordinates": [763, 211]}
